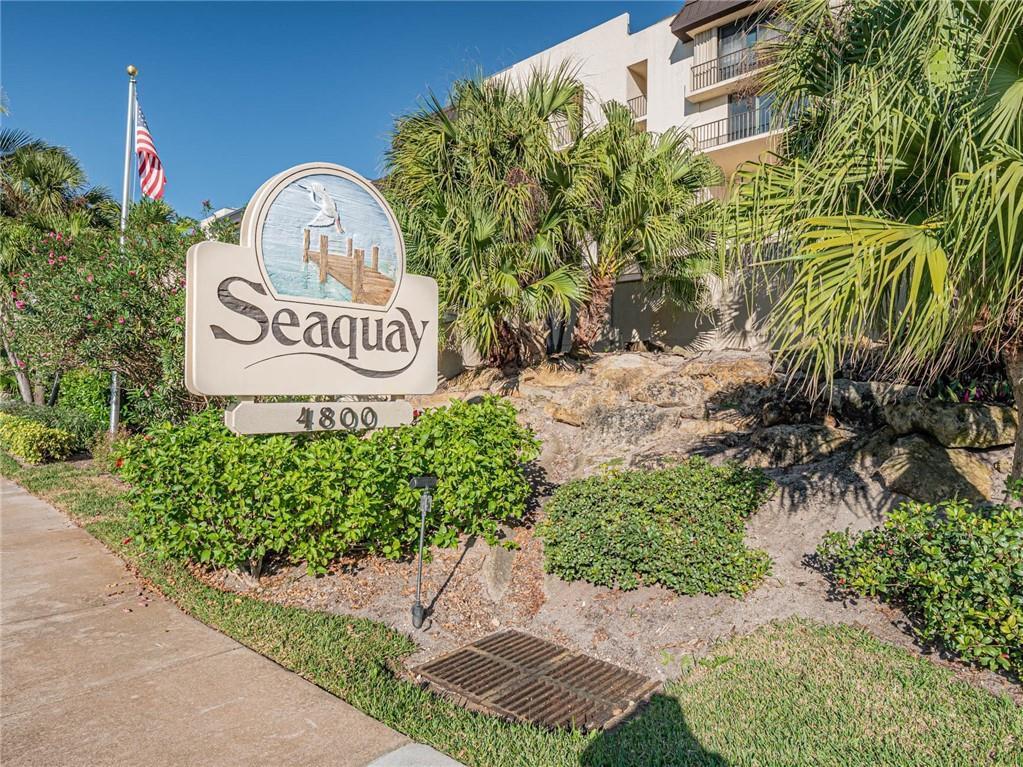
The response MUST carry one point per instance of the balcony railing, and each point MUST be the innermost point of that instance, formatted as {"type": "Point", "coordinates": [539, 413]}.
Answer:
{"type": "Point", "coordinates": [562, 134]}
{"type": "Point", "coordinates": [724, 68]}
{"type": "Point", "coordinates": [735, 127]}
{"type": "Point", "coordinates": [637, 106]}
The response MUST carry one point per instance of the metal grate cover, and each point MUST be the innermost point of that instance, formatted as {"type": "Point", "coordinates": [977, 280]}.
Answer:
{"type": "Point", "coordinates": [526, 679]}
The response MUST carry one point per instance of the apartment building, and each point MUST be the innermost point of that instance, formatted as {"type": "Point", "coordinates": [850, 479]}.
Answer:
{"type": "Point", "coordinates": [695, 70]}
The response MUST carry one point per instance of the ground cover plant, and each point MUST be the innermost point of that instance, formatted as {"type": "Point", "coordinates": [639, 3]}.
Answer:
{"type": "Point", "coordinates": [32, 441]}
{"type": "Point", "coordinates": [81, 426]}
{"type": "Point", "coordinates": [201, 492]}
{"type": "Point", "coordinates": [681, 527]}
{"type": "Point", "coordinates": [792, 693]}
{"type": "Point", "coordinates": [957, 568]}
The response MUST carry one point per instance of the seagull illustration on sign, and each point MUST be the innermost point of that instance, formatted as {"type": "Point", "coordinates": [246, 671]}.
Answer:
{"type": "Point", "coordinates": [328, 215]}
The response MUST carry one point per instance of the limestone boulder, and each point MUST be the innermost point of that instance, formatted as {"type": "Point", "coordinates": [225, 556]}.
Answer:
{"type": "Point", "coordinates": [928, 472]}
{"type": "Point", "coordinates": [726, 370]}
{"type": "Point", "coordinates": [626, 424]}
{"type": "Point", "coordinates": [673, 389]}
{"type": "Point", "coordinates": [474, 379]}
{"type": "Point", "coordinates": [795, 444]}
{"type": "Point", "coordinates": [553, 375]}
{"type": "Point", "coordinates": [573, 406]}
{"type": "Point", "coordinates": [622, 371]}
{"type": "Point", "coordinates": [955, 424]}
{"type": "Point", "coordinates": [702, 385]}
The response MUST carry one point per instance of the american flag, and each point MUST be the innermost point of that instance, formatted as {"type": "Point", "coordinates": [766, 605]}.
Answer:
{"type": "Point", "coordinates": [151, 176]}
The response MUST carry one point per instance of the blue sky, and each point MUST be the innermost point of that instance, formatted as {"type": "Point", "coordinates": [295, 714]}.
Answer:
{"type": "Point", "coordinates": [235, 91]}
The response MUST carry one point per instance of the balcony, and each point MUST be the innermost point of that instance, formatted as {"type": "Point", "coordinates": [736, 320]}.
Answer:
{"type": "Point", "coordinates": [562, 136]}
{"type": "Point", "coordinates": [637, 106]}
{"type": "Point", "coordinates": [739, 137]}
{"type": "Point", "coordinates": [720, 70]}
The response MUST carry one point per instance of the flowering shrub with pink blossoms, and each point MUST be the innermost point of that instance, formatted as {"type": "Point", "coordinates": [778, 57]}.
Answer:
{"type": "Point", "coordinates": [87, 302]}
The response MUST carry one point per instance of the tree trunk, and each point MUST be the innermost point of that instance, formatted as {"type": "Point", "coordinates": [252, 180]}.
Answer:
{"type": "Point", "coordinates": [24, 384]}
{"type": "Point", "coordinates": [1013, 359]}
{"type": "Point", "coordinates": [593, 313]}
{"type": "Point", "coordinates": [54, 391]}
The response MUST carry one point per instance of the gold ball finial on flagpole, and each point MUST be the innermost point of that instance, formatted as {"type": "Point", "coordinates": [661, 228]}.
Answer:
{"type": "Point", "coordinates": [132, 71]}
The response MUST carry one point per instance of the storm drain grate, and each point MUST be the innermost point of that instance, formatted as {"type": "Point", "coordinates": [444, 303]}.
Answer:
{"type": "Point", "coordinates": [526, 679]}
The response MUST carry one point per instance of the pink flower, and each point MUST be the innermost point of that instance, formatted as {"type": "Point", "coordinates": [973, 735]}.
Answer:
{"type": "Point", "coordinates": [177, 319]}
{"type": "Point", "coordinates": [51, 261]}
{"type": "Point", "coordinates": [88, 316]}
{"type": "Point", "coordinates": [88, 278]}
{"type": "Point", "coordinates": [58, 236]}
{"type": "Point", "coordinates": [132, 272]}
{"type": "Point", "coordinates": [120, 320]}
{"type": "Point", "coordinates": [20, 304]}
{"type": "Point", "coordinates": [21, 363]}
{"type": "Point", "coordinates": [76, 297]}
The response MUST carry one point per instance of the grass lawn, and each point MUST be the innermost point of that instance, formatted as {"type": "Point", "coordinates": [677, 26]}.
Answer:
{"type": "Point", "coordinates": [792, 693]}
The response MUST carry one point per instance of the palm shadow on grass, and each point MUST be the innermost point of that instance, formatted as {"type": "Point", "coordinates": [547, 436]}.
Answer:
{"type": "Point", "coordinates": [656, 735]}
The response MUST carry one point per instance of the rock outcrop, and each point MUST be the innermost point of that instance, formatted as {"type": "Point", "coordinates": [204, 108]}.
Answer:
{"type": "Point", "coordinates": [649, 409]}
{"type": "Point", "coordinates": [955, 424]}
{"type": "Point", "coordinates": [931, 473]}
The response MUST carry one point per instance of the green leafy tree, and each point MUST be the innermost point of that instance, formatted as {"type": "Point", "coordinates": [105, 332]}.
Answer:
{"type": "Point", "coordinates": [43, 189]}
{"type": "Point", "coordinates": [896, 200]}
{"type": "Point", "coordinates": [644, 210]}
{"type": "Point", "coordinates": [88, 301]}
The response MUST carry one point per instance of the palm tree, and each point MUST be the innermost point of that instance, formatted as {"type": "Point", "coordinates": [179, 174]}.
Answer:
{"type": "Point", "coordinates": [42, 188]}
{"type": "Point", "coordinates": [898, 194]}
{"type": "Point", "coordinates": [644, 210]}
{"type": "Point", "coordinates": [486, 204]}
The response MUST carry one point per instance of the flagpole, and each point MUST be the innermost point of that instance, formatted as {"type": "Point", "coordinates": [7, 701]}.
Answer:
{"type": "Point", "coordinates": [115, 389]}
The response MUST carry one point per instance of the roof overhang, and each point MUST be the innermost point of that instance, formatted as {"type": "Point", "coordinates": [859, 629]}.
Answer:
{"type": "Point", "coordinates": [700, 13]}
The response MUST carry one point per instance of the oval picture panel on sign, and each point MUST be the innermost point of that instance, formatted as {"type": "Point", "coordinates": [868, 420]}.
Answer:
{"type": "Point", "coordinates": [324, 234]}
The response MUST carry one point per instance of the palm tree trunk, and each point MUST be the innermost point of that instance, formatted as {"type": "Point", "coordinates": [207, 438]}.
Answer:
{"type": "Point", "coordinates": [593, 313]}
{"type": "Point", "coordinates": [1013, 360]}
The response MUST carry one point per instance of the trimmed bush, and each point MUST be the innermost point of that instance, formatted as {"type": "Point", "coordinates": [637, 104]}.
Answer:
{"type": "Point", "coordinates": [79, 425]}
{"type": "Point", "coordinates": [201, 492]}
{"type": "Point", "coordinates": [88, 393]}
{"type": "Point", "coordinates": [956, 568]}
{"type": "Point", "coordinates": [681, 527]}
{"type": "Point", "coordinates": [33, 442]}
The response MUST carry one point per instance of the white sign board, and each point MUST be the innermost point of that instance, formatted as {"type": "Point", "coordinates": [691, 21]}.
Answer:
{"type": "Point", "coordinates": [315, 298]}
{"type": "Point", "coordinates": [287, 417]}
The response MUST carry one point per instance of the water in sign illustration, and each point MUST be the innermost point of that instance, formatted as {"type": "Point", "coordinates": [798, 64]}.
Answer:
{"type": "Point", "coordinates": [327, 238]}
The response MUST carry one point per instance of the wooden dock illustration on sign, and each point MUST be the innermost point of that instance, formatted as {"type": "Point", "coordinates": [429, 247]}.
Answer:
{"type": "Point", "coordinates": [364, 280]}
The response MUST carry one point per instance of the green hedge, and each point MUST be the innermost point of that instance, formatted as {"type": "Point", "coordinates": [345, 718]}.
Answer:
{"type": "Point", "coordinates": [33, 442]}
{"type": "Point", "coordinates": [79, 425]}
{"type": "Point", "coordinates": [955, 567]}
{"type": "Point", "coordinates": [204, 493]}
{"type": "Point", "coordinates": [681, 527]}
{"type": "Point", "coordinates": [87, 392]}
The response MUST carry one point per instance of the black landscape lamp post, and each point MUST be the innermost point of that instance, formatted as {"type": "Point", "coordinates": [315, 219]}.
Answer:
{"type": "Point", "coordinates": [425, 501]}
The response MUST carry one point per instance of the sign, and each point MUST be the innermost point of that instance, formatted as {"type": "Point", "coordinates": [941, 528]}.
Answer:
{"type": "Point", "coordinates": [287, 417]}
{"type": "Point", "coordinates": [314, 299]}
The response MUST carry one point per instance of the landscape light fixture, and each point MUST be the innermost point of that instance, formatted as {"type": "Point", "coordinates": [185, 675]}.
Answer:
{"type": "Point", "coordinates": [425, 502]}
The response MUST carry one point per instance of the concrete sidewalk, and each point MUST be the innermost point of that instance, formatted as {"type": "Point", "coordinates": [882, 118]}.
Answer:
{"type": "Point", "coordinates": [89, 676]}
